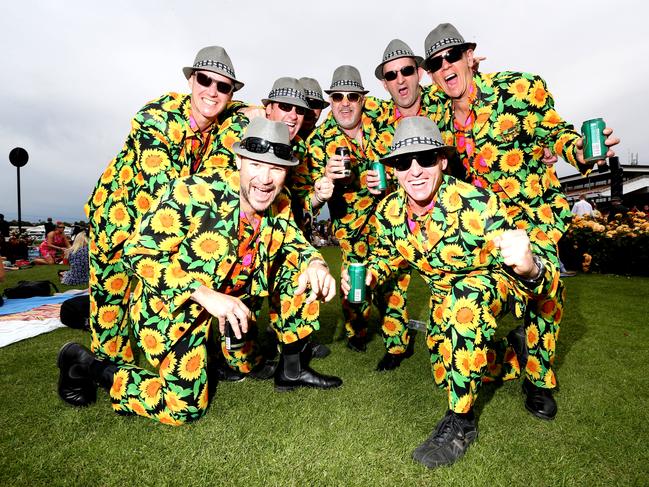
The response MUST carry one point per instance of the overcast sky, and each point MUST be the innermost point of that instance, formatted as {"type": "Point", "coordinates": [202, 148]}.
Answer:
{"type": "Point", "coordinates": [74, 73]}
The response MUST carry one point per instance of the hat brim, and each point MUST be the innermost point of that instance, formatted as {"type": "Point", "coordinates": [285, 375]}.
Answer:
{"type": "Point", "coordinates": [347, 90]}
{"type": "Point", "coordinates": [315, 104]}
{"type": "Point", "coordinates": [286, 99]}
{"type": "Point", "coordinates": [268, 157]}
{"type": "Point", "coordinates": [467, 45]}
{"type": "Point", "coordinates": [188, 70]}
{"type": "Point", "coordinates": [378, 72]}
{"type": "Point", "coordinates": [447, 150]}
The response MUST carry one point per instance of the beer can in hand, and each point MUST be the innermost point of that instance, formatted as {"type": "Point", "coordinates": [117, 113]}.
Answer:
{"type": "Point", "coordinates": [345, 154]}
{"type": "Point", "coordinates": [356, 283]}
{"type": "Point", "coordinates": [232, 343]}
{"type": "Point", "coordinates": [380, 169]}
{"type": "Point", "coordinates": [594, 147]}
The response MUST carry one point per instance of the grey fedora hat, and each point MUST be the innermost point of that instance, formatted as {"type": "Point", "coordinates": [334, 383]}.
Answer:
{"type": "Point", "coordinates": [263, 140]}
{"type": "Point", "coordinates": [215, 59]}
{"type": "Point", "coordinates": [346, 78]}
{"type": "Point", "coordinates": [313, 93]}
{"type": "Point", "coordinates": [287, 90]}
{"type": "Point", "coordinates": [396, 49]}
{"type": "Point", "coordinates": [416, 134]}
{"type": "Point", "coordinates": [442, 37]}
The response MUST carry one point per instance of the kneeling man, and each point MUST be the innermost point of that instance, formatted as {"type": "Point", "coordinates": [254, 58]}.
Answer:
{"type": "Point", "coordinates": [214, 245]}
{"type": "Point", "coordinates": [458, 237]}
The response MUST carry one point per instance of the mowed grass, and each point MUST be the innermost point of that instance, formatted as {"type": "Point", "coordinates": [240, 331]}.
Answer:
{"type": "Point", "coordinates": [361, 434]}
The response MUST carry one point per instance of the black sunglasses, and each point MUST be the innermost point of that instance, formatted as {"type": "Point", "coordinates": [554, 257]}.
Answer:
{"type": "Point", "coordinates": [405, 72]}
{"type": "Point", "coordinates": [221, 86]}
{"type": "Point", "coordinates": [351, 97]}
{"type": "Point", "coordinates": [453, 55]}
{"type": "Point", "coordinates": [404, 161]}
{"type": "Point", "coordinates": [287, 107]}
{"type": "Point", "coordinates": [261, 146]}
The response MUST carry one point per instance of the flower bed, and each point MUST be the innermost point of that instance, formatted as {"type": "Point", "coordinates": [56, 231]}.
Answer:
{"type": "Point", "coordinates": [620, 246]}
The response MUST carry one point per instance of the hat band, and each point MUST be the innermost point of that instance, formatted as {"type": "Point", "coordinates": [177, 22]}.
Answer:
{"type": "Point", "coordinates": [346, 82]}
{"type": "Point", "coordinates": [444, 42]}
{"type": "Point", "coordinates": [398, 53]}
{"type": "Point", "coordinates": [214, 64]}
{"type": "Point", "coordinates": [288, 92]}
{"type": "Point", "coordinates": [416, 140]}
{"type": "Point", "coordinates": [313, 94]}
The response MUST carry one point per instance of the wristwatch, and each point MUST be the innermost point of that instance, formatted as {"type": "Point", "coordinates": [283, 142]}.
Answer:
{"type": "Point", "coordinates": [539, 276]}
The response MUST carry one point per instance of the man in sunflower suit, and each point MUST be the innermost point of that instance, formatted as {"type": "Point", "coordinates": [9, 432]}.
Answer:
{"type": "Point", "coordinates": [170, 137]}
{"type": "Point", "coordinates": [286, 103]}
{"type": "Point", "coordinates": [460, 240]}
{"type": "Point", "coordinates": [352, 206]}
{"type": "Point", "coordinates": [213, 246]}
{"type": "Point", "coordinates": [500, 124]}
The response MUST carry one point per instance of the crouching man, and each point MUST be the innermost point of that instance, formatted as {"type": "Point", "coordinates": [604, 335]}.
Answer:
{"type": "Point", "coordinates": [458, 237]}
{"type": "Point", "coordinates": [213, 246]}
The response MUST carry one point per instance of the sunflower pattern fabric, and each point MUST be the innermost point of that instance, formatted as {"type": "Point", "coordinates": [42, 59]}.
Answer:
{"type": "Point", "coordinates": [512, 119]}
{"type": "Point", "coordinates": [224, 158]}
{"type": "Point", "coordinates": [161, 147]}
{"type": "Point", "coordinates": [451, 247]}
{"type": "Point", "coordinates": [191, 239]}
{"type": "Point", "coordinates": [351, 208]}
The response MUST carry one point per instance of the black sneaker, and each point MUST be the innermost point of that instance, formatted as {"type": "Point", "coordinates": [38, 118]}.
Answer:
{"type": "Point", "coordinates": [448, 442]}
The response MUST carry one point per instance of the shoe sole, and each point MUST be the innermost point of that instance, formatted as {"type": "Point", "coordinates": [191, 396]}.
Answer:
{"type": "Point", "coordinates": [292, 388]}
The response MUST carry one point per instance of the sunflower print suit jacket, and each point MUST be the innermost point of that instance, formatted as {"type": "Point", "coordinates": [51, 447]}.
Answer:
{"type": "Point", "coordinates": [161, 147]}
{"type": "Point", "coordinates": [454, 253]}
{"type": "Point", "coordinates": [191, 239]}
{"type": "Point", "coordinates": [515, 119]}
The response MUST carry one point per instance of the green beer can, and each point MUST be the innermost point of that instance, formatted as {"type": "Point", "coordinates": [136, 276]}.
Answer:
{"type": "Point", "coordinates": [594, 146]}
{"type": "Point", "coordinates": [383, 182]}
{"type": "Point", "coordinates": [356, 283]}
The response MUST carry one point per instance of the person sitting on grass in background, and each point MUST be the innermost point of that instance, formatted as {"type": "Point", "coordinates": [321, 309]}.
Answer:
{"type": "Point", "coordinates": [54, 246]}
{"type": "Point", "coordinates": [461, 241]}
{"type": "Point", "coordinates": [214, 245]}
{"type": "Point", "coordinates": [77, 255]}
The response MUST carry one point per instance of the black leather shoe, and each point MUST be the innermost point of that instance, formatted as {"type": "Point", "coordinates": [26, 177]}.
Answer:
{"type": "Point", "coordinates": [539, 401]}
{"type": "Point", "coordinates": [390, 361]}
{"type": "Point", "coordinates": [224, 373]}
{"type": "Point", "coordinates": [75, 384]}
{"type": "Point", "coordinates": [357, 344]}
{"type": "Point", "coordinates": [265, 370]}
{"type": "Point", "coordinates": [306, 378]}
{"type": "Point", "coordinates": [516, 338]}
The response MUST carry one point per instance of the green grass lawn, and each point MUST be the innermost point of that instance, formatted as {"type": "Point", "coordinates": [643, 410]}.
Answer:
{"type": "Point", "coordinates": [361, 434]}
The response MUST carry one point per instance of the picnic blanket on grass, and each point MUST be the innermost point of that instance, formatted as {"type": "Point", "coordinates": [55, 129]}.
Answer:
{"type": "Point", "coordinates": [26, 322]}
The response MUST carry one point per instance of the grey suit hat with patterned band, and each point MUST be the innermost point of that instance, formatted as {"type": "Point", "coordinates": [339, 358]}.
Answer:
{"type": "Point", "coordinates": [416, 134]}
{"type": "Point", "coordinates": [215, 59]}
{"type": "Point", "coordinates": [346, 78]}
{"type": "Point", "coordinates": [287, 90]}
{"type": "Point", "coordinates": [396, 50]}
{"type": "Point", "coordinates": [442, 37]}
{"type": "Point", "coordinates": [270, 133]}
{"type": "Point", "coordinates": [313, 93]}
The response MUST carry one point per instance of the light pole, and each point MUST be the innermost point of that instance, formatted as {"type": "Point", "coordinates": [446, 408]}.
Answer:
{"type": "Point", "coordinates": [18, 157]}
